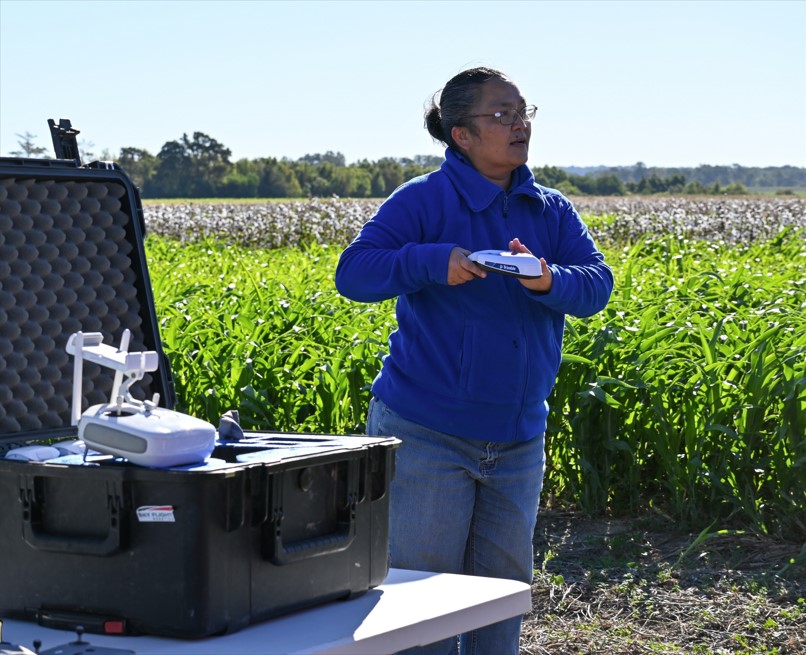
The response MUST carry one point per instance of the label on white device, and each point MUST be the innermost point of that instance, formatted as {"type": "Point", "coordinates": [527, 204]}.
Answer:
{"type": "Point", "coordinates": [156, 514]}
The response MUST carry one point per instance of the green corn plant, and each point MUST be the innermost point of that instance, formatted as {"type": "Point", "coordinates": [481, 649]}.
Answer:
{"type": "Point", "coordinates": [686, 394]}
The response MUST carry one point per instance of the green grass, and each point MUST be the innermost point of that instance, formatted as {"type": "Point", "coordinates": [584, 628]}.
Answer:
{"type": "Point", "coordinates": [265, 332]}
{"type": "Point", "coordinates": [689, 390]}
{"type": "Point", "coordinates": [687, 394]}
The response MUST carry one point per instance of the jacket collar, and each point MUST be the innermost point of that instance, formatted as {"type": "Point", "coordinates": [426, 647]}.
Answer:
{"type": "Point", "coordinates": [478, 191]}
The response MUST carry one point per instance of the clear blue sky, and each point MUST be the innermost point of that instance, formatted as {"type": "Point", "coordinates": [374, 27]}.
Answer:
{"type": "Point", "coordinates": [668, 83]}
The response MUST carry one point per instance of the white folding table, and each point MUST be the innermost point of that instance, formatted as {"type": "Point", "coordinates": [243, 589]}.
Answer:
{"type": "Point", "coordinates": [410, 608]}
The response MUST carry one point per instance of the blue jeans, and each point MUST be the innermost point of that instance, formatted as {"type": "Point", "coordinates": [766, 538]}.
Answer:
{"type": "Point", "coordinates": [463, 506]}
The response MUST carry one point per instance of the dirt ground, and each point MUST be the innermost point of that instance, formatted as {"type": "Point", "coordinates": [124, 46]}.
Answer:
{"type": "Point", "coordinates": [630, 587]}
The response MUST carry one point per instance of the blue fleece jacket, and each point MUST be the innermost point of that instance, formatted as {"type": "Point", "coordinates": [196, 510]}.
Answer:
{"type": "Point", "coordinates": [476, 360]}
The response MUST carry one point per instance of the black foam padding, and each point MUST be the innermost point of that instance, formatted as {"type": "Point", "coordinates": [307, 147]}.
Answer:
{"type": "Point", "coordinates": [68, 263]}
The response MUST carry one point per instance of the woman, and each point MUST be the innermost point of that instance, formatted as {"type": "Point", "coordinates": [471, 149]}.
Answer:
{"type": "Point", "coordinates": [475, 354]}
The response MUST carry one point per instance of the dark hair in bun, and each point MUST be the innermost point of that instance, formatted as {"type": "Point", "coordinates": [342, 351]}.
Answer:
{"type": "Point", "coordinates": [456, 100]}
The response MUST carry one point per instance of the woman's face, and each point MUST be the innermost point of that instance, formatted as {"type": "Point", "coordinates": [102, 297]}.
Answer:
{"type": "Point", "coordinates": [495, 150]}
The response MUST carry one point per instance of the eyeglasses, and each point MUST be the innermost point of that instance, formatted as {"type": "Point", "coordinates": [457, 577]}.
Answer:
{"type": "Point", "coordinates": [509, 116]}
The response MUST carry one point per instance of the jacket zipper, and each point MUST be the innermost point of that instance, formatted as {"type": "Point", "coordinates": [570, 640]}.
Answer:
{"type": "Point", "coordinates": [520, 345]}
{"type": "Point", "coordinates": [524, 353]}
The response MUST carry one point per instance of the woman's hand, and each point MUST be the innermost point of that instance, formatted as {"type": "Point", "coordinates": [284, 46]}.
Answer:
{"type": "Point", "coordinates": [461, 269]}
{"type": "Point", "coordinates": [542, 283]}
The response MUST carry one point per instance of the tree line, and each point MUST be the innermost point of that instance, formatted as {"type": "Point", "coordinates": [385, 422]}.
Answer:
{"type": "Point", "coordinates": [610, 184]}
{"type": "Point", "coordinates": [198, 166]}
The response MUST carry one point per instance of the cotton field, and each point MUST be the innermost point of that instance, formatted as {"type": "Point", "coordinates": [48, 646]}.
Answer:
{"type": "Point", "coordinates": [739, 220]}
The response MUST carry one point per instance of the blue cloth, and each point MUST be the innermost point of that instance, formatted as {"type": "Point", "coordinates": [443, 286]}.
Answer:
{"type": "Point", "coordinates": [463, 506]}
{"type": "Point", "coordinates": [476, 360]}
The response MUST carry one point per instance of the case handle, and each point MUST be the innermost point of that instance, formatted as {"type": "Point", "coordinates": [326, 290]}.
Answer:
{"type": "Point", "coordinates": [71, 544]}
{"type": "Point", "coordinates": [282, 553]}
{"type": "Point", "coordinates": [39, 538]}
{"type": "Point", "coordinates": [313, 547]}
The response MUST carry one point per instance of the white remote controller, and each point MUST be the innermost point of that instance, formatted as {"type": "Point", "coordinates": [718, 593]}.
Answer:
{"type": "Point", "coordinates": [156, 437]}
{"type": "Point", "coordinates": [139, 431]}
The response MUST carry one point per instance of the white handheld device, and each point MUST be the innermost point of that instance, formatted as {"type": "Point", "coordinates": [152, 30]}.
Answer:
{"type": "Point", "coordinates": [139, 431]}
{"type": "Point", "coordinates": [517, 264]}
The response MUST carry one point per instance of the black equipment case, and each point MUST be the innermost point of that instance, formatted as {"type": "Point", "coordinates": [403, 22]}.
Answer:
{"type": "Point", "coordinates": [268, 524]}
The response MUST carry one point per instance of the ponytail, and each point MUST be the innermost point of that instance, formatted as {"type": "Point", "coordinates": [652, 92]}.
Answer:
{"type": "Point", "coordinates": [456, 100]}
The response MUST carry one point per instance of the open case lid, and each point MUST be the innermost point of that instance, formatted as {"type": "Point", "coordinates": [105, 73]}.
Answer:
{"type": "Point", "coordinates": [72, 259]}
